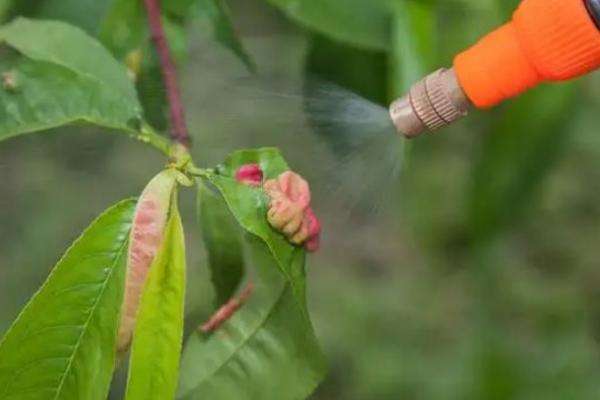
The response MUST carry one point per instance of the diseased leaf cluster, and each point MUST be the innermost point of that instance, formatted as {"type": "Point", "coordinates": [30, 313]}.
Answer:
{"type": "Point", "coordinates": [63, 344]}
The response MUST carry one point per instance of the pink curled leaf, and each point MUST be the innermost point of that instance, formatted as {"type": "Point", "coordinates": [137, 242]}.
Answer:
{"type": "Point", "coordinates": [295, 188]}
{"type": "Point", "coordinates": [249, 174]}
{"type": "Point", "coordinates": [289, 209]}
{"type": "Point", "coordinates": [314, 231]}
{"type": "Point", "coordinates": [289, 196]}
{"type": "Point", "coordinates": [313, 244]}
{"type": "Point", "coordinates": [146, 237]}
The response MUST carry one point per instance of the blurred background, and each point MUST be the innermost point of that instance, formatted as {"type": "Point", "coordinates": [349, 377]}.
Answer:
{"type": "Point", "coordinates": [472, 273]}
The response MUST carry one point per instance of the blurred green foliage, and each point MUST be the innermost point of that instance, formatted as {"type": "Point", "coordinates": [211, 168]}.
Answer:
{"type": "Point", "coordinates": [478, 280]}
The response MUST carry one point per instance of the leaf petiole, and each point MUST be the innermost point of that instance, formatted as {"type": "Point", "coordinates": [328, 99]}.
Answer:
{"type": "Point", "coordinates": [148, 135]}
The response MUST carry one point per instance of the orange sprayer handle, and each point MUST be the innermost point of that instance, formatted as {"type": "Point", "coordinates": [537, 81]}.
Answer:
{"type": "Point", "coordinates": [546, 40]}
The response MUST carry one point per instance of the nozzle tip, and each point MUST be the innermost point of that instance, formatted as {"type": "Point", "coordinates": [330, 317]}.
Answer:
{"type": "Point", "coordinates": [405, 119]}
{"type": "Point", "coordinates": [432, 103]}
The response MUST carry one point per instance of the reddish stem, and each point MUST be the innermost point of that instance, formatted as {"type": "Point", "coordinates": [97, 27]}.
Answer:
{"type": "Point", "coordinates": [179, 131]}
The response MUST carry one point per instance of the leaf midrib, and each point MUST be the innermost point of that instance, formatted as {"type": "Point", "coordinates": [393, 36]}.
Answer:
{"type": "Point", "coordinates": [87, 322]}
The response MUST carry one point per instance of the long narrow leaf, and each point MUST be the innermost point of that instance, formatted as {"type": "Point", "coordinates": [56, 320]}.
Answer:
{"type": "Point", "coordinates": [154, 366]}
{"type": "Point", "coordinates": [62, 346]}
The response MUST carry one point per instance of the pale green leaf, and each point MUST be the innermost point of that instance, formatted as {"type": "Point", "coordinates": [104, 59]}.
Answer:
{"type": "Point", "coordinates": [156, 348]}
{"type": "Point", "coordinates": [222, 240]}
{"type": "Point", "coordinates": [62, 345]}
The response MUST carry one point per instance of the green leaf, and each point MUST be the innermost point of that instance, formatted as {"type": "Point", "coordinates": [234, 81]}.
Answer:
{"type": "Point", "coordinates": [213, 15]}
{"type": "Point", "coordinates": [357, 22]}
{"type": "Point", "coordinates": [67, 46]}
{"type": "Point", "coordinates": [154, 363]}
{"type": "Point", "coordinates": [62, 345]}
{"type": "Point", "coordinates": [507, 7]}
{"type": "Point", "coordinates": [267, 350]}
{"type": "Point", "coordinates": [61, 76]}
{"type": "Point", "coordinates": [82, 13]}
{"type": "Point", "coordinates": [5, 8]}
{"type": "Point", "coordinates": [249, 206]}
{"type": "Point", "coordinates": [223, 244]}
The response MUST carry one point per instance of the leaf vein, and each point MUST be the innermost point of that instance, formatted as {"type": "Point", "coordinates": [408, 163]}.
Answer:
{"type": "Point", "coordinates": [88, 320]}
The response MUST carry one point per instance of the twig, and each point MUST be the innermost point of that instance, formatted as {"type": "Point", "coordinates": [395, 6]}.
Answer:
{"type": "Point", "coordinates": [179, 130]}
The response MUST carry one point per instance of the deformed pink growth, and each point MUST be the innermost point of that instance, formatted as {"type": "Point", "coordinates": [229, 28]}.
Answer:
{"type": "Point", "coordinates": [226, 311]}
{"type": "Point", "coordinates": [146, 237]}
{"type": "Point", "coordinates": [314, 231]}
{"type": "Point", "coordinates": [249, 174]}
{"type": "Point", "coordinates": [289, 209]}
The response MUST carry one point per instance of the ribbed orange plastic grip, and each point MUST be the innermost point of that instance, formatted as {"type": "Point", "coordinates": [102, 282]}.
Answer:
{"type": "Point", "coordinates": [547, 40]}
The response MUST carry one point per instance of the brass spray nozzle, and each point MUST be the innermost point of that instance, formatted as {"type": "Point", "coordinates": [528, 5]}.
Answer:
{"type": "Point", "coordinates": [545, 41]}
{"type": "Point", "coordinates": [432, 103]}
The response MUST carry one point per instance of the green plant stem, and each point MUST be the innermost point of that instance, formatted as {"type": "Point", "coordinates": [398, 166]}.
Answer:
{"type": "Point", "coordinates": [149, 136]}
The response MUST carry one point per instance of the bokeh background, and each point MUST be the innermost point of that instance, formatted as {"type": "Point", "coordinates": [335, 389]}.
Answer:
{"type": "Point", "coordinates": [473, 273]}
